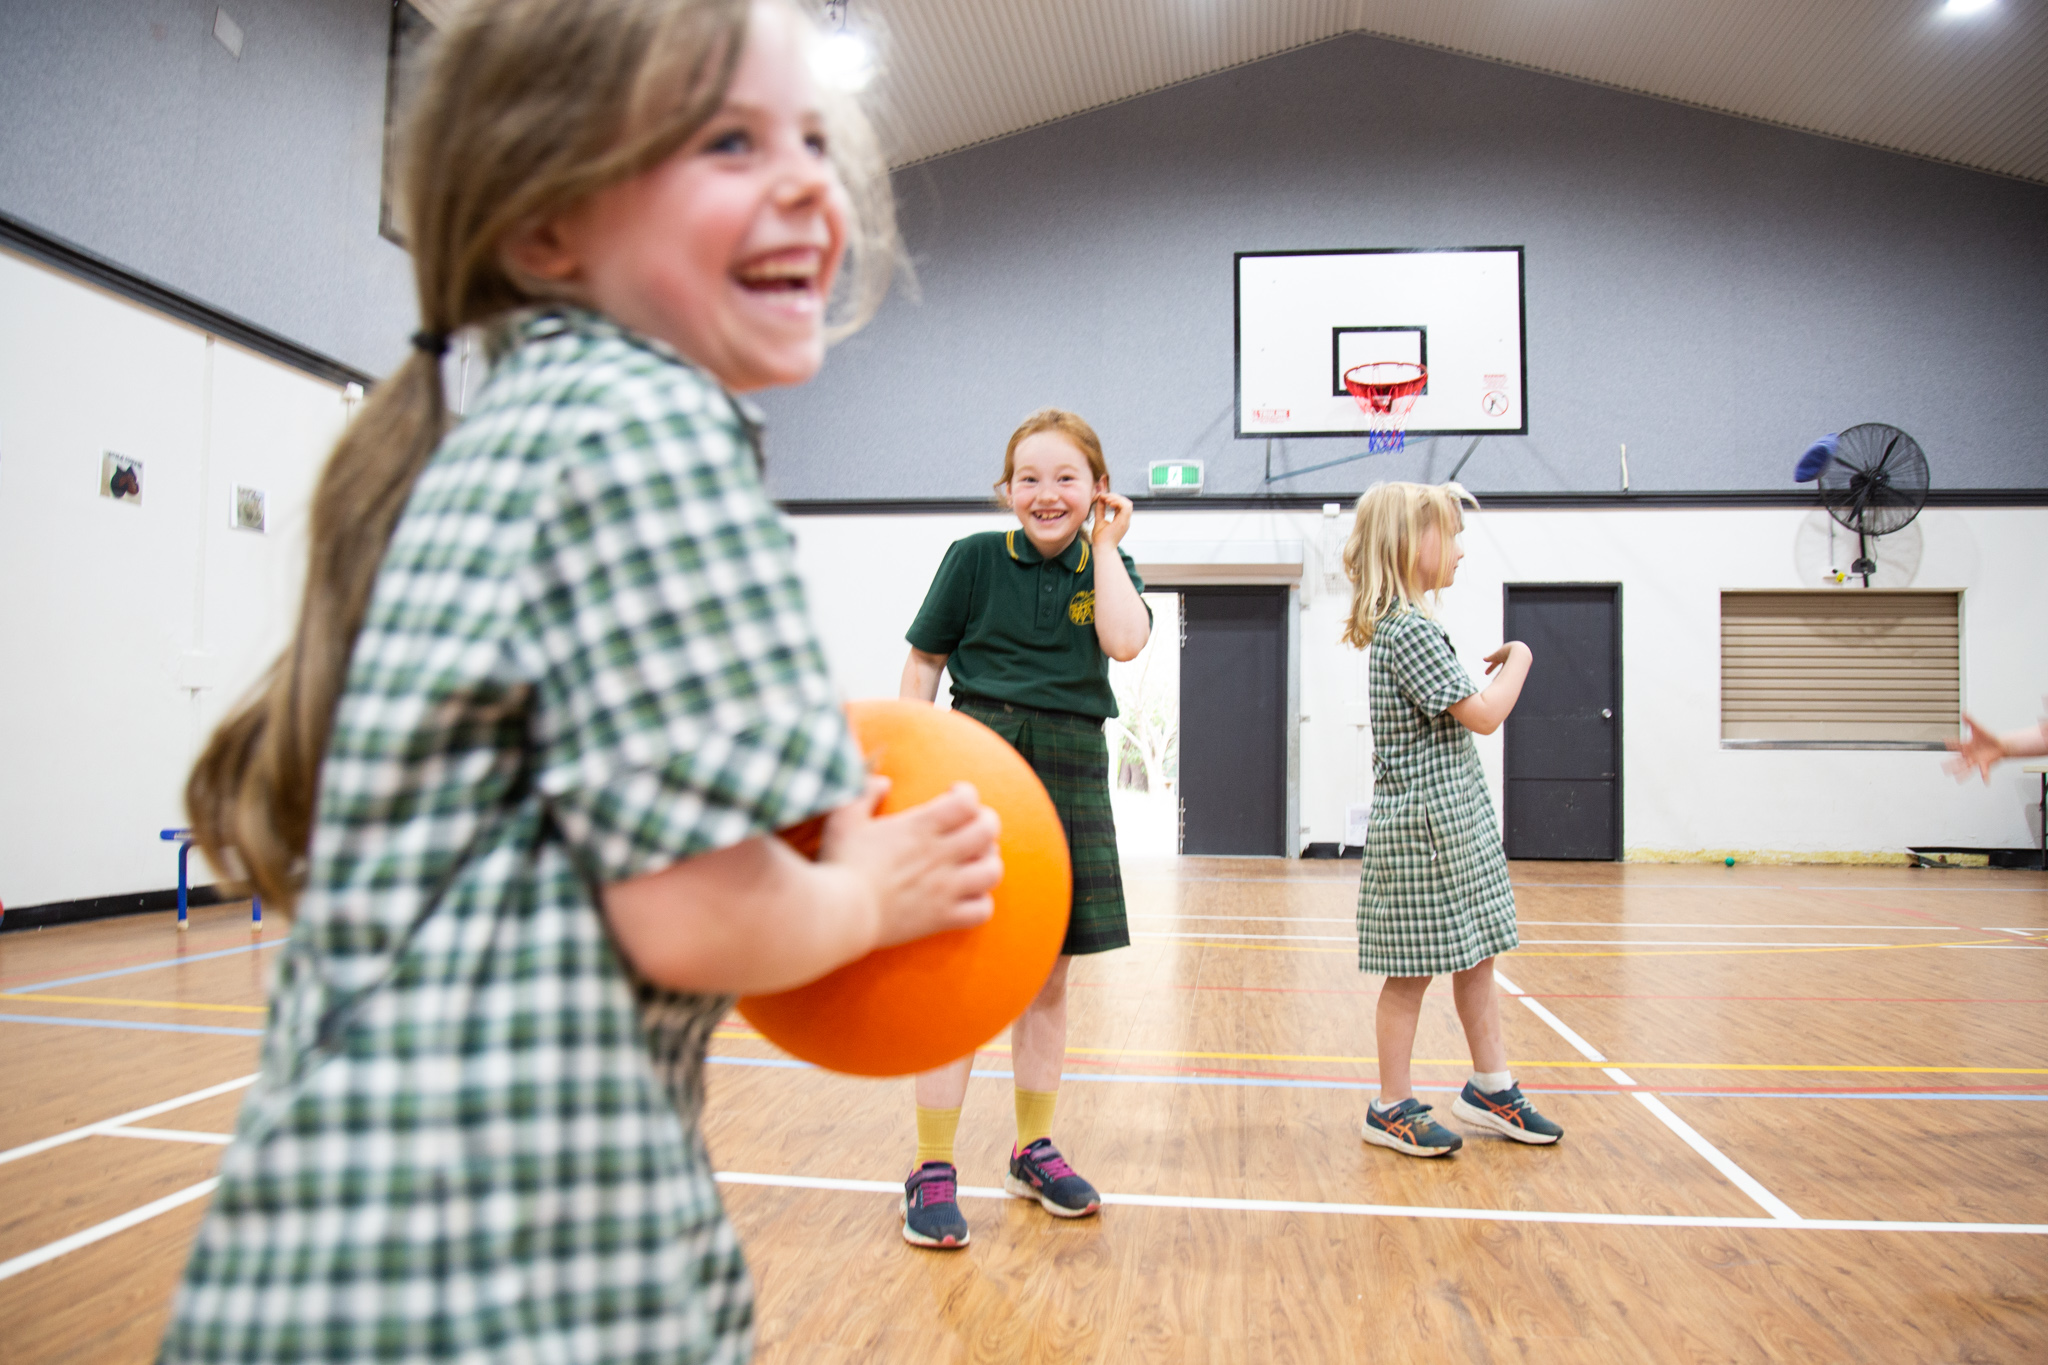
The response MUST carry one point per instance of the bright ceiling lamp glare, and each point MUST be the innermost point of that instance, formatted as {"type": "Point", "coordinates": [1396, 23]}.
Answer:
{"type": "Point", "coordinates": [843, 59]}
{"type": "Point", "coordinates": [1962, 9]}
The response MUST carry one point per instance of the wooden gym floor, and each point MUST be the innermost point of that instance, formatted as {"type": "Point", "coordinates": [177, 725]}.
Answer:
{"type": "Point", "coordinates": [1806, 1113]}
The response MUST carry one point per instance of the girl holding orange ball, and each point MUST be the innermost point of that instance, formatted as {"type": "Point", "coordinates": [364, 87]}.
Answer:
{"type": "Point", "coordinates": [1026, 622]}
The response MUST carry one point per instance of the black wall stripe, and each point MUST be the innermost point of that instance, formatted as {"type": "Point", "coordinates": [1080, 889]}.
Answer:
{"type": "Point", "coordinates": [77, 261]}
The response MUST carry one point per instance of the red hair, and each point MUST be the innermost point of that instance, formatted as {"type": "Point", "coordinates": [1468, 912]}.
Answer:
{"type": "Point", "coordinates": [1068, 424]}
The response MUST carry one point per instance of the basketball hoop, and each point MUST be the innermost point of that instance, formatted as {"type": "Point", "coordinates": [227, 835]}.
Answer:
{"type": "Point", "coordinates": [1385, 391]}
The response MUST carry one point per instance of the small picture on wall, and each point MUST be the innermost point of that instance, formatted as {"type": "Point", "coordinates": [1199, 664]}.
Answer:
{"type": "Point", "coordinates": [120, 478]}
{"type": "Point", "coordinates": [248, 509]}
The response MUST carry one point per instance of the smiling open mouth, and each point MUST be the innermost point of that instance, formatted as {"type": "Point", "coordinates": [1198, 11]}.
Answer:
{"type": "Point", "coordinates": [794, 273]}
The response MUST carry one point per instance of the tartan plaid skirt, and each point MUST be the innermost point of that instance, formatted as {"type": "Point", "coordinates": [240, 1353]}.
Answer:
{"type": "Point", "coordinates": [1071, 757]}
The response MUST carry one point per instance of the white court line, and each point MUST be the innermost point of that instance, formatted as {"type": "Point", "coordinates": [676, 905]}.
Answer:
{"type": "Point", "coordinates": [1743, 1180]}
{"type": "Point", "coordinates": [99, 1232]}
{"type": "Point", "coordinates": [170, 1135]}
{"type": "Point", "coordinates": [1422, 1211]}
{"type": "Point", "coordinates": [121, 1120]}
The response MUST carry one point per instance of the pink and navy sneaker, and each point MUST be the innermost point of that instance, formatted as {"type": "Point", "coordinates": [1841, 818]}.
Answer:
{"type": "Point", "coordinates": [931, 1207]}
{"type": "Point", "coordinates": [1040, 1172]}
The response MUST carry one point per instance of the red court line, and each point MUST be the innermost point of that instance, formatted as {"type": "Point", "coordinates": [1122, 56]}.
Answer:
{"type": "Point", "coordinates": [1914, 914]}
{"type": "Point", "coordinates": [1592, 995]}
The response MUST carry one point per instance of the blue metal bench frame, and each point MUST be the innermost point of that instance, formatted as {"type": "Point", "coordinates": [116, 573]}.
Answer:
{"type": "Point", "coordinates": [183, 839]}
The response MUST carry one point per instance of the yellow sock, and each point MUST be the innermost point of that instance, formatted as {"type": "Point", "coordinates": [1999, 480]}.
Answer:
{"type": "Point", "coordinates": [1034, 1115]}
{"type": "Point", "coordinates": [935, 1130]}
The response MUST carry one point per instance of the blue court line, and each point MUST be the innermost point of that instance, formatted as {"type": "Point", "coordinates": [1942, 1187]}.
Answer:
{"type": "Point", "coordinates": [145, 967]}
{"type": "Point", "coordinates": [131, 1024]}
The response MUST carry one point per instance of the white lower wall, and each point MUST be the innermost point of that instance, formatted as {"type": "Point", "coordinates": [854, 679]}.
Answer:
{"type": "Point", "coordinates": [1684, 795]}
{"type": "Point", "coordinates": [127, 630]}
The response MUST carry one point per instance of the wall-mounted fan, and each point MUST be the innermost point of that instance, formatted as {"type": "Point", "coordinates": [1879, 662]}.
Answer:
{"type": "Point", "coordinates": [1873, 480]}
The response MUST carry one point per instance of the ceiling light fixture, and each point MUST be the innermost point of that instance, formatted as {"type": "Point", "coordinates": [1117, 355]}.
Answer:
{"type": "Point", "coordinates": [844, 60]}
{"type": "Point", "coordinates": [1958, 9]}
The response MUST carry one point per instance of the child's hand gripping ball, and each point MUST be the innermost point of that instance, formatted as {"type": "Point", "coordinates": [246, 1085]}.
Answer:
{"type": "Point", "coordinates": [910, 1008]}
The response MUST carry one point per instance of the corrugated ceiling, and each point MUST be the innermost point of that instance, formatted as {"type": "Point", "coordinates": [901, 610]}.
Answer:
{"type": "Point", "coordinates": [1898, 74]}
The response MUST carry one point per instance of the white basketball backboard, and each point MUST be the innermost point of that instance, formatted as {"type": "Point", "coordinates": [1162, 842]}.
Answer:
{"type": "Point", "coordinates": [1304, 317]}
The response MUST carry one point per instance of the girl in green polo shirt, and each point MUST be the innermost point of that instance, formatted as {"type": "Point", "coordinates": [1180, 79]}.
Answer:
{"type": "Point", "coordinates": [1026, 622]}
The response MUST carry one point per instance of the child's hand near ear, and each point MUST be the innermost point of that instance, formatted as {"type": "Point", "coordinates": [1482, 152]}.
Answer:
{"type": "Point", "coordinates": [1112, 519]}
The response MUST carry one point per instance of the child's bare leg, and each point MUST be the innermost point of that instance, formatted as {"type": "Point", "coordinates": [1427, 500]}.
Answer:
{"type": "Point", "coordinates": [1038, 1049]}
{"type": "Point", "coordinates": [1479, 1012]}
{"type": "Point", "coordinates": [1038, 1040]}
{"type": "Point", "coordinates": [1492, 1099]}
{"type": "Point", "coordinates": [944, 1087]}
{"type": "Point", "coordinates": [1038, 1053]}
{"type": "Point", "coordinates": [1394, 1029]}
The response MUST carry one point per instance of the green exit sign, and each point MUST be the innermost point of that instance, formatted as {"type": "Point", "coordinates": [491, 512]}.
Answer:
{"type": "Point", "coordinates": [1176, 476]}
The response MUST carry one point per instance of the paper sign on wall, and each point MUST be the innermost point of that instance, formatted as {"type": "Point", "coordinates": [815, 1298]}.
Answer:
{"type": "Point", "coordinates": [1356, 818]}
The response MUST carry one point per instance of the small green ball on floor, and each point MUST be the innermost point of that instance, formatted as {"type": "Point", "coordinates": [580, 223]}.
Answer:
{"type": "Point", "coordinates": [1730, 862]}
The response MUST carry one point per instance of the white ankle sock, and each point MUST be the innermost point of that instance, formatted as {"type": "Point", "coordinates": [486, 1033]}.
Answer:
{"type": "Point", "coordinates": [1492, 1082]}
{"type": "Point", "coordinates": [1380, 1106]}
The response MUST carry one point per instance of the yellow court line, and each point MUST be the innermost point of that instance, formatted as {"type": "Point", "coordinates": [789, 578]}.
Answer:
{"type": "Point", "coordinates": [139, 1004]}
{"type": "Point", "coordinates": [1466, 1061]}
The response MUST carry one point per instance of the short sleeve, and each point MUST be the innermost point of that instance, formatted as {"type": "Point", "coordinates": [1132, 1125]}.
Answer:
{"type": "Point", "coordinates": [1425, 668]}
{"type": "Point", "coordinates": [684, 703]}
{"type": "Point", "coordinates": [1137, 580]}
{"type": "Point", "coordinates": [941, 623]}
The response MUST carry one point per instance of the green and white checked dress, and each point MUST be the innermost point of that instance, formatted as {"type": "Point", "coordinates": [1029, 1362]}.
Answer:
{"type": "Point", "coordinates": [1433, 893]}
{"type": "Point", "coordinates": [474, 1137]}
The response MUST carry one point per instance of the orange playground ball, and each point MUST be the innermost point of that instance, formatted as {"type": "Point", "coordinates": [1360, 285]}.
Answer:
{"type": "Point", "coordinates": [919, 1005]}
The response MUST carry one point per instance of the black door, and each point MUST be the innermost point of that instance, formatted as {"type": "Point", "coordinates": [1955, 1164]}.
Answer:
{"type": "Point", "coordinates": [1233, 720]}
{"type": "Point", "coordinates": [1563, 741]}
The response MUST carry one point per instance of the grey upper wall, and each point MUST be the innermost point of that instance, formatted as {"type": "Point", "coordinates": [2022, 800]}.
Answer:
{"type": "Point", "coordinates": [250, 185]}
{"type": "Point", "coordinates": [1711, 291]}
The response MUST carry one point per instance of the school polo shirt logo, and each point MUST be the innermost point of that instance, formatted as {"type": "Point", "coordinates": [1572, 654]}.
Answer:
{"type": "Point", "coordinates": [1081, 611]}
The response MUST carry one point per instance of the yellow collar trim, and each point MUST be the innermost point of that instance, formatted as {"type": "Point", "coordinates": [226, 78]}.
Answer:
{"type": "Point", "coordinates": [1010, 544]}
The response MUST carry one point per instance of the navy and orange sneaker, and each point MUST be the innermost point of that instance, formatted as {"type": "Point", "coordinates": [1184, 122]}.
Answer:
{"type": "Point", "coordinates": [1040, 1172]}
{"type": "Point", "coordinates": [1408, 1129]}
{"type": "Point", "coordinates": [1506, 1112]}
{"type": "Point", "coordinates": [931, 1207]}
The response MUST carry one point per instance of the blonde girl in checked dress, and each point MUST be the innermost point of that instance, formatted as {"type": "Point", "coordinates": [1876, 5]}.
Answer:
{"type": "Point", "coordinates": [553, 688]}
{"type": "Point", "coordinates": [1433, 893]}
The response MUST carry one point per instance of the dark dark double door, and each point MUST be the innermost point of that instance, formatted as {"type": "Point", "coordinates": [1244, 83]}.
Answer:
{"type": "Point", "coordinates": [1233, 720]}
{"type": "Point", "coordinates": [1563, 741]}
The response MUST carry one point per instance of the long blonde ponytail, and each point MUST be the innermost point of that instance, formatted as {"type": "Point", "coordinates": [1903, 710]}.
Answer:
{"type": "Point", "coordinates": [530, 106]}
{"type": "Point", "coordinates": [1382, 553]}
